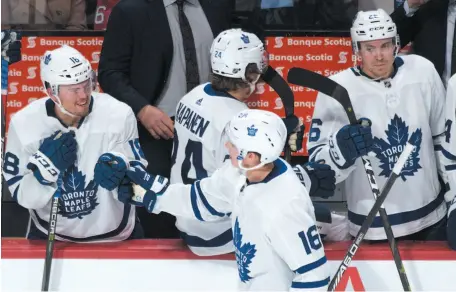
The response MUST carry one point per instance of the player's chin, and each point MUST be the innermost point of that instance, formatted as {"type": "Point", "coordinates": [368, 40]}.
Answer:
{"type": "Point", "coordinates": [81, 110]}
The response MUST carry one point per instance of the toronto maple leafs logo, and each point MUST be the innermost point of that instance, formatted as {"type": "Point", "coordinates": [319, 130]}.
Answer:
{"type": "Point", "coordinates": [77, 199]}
{"type": "Point", "coordinates": [245, 39]}
{"type": "Point", "coordinates": [251, 131]}
{"type": "Point", "coordinates": [389, 151]}
{"type": "Point", "coordinates": [47, 59]}
{"type": "Point", "coordinates": [244, 253]}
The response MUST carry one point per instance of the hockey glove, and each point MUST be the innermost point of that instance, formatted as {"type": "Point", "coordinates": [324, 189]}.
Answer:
{"type": "Point", "coordinates": [110, 170]}
{"type": "Point", "coordinates": [125, 192]}
{"type": "Point", "coordinates": [319, 179]}
{"type": "Point", "coordinates": [146, 187]}
{"type": "Point", "coordinates": [11, 46]}
{"type": "Point", "coordinates": [295, 132]}
{"type": "Point", "coordinates": [55, 155]}
{"type": "Point", "coordinates": [351, 142]}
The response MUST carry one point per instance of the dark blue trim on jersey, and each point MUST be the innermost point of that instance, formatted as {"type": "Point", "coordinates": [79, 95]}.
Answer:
{"type": "Point", "coordinates": [279, 168]}
{"type": "Point", "coordinates": [113, 233]}
{"type": "Point", "coordinates": [50, 110]}
{"type": "Point", "coordinates": [403, 217]}
{"type": "Point", "coordinates": [209, 90]}
{"type": "Point", "coordinates": [398, 62]}
{"type": "Point", "coordinates": [312, 266]}
{"type": "Point", "coordinates": [15, 193]}
{"type": "Point", "coordinates": [220, 240]}
{"type": "Point", "coordinates": [194, 201]}
{"type": "Point", "coordinates": [450, 167]}
{"type": "Point", "coordinates": [445, 153]}
{"type": "Point", "coordinates": [310, 285]}
{"type": "Point", "coordinates": [14, 180]}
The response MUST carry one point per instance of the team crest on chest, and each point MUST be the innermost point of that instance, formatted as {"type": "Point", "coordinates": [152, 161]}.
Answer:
{"type": "Point", "coordinates": [245, 252]}
{"type": "Point", "coordinates": [77, 200]}
{"type": "Point", "coordinates": [389, 151]}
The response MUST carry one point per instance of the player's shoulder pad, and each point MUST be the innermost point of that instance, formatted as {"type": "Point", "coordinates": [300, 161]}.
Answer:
{"type": "Point", "coordinates": [416, 62]}
{"type": "Point", "coordinates": [109, 106]}
{"type": "Point", "coordinates": [31, 113]}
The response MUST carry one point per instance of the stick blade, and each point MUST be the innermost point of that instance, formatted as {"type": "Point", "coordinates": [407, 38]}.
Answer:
{"type": "Point", "coordinates": [310, 79]}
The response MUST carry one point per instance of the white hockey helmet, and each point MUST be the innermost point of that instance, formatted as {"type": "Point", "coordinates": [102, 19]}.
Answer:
{"type": "Point", "coordinates": [64, 66]}
{"type": "Point", "coordinates": [232, 50]}
{"type": "Point", "coordinates": [259, 131]}
{"type": "Point", "coordinates": [373, 25]}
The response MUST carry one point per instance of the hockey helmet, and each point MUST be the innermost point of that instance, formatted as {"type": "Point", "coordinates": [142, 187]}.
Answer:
{"type": "Point", "coordinates": [259, 131]}
{"type": "Point", "coordinates": [232, 50]}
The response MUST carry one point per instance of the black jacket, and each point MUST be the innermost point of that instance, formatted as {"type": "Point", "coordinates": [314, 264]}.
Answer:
{"type": "Point", "coordinates": [138, 48]}
{"type": "Point", "coordinates": [427, 28]}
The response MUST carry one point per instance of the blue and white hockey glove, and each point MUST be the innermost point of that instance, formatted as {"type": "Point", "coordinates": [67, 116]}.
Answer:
{"type": "Point", "coordinates": [56, 154]}
{"type": "Point", "coordinates": [319, 179]}
{"type": "Point", "coordinates": [146, 187]}
{"type": "Point", "coordinates": [351, 142]}
{"type": "Point", "coordinates": [295, 132]}
{"type": "Point", "coordinates": [125, 192]}
{"type": "Point", "coordinates": [11, 46]}
{"type": "Point", "coordinates": [110, 170]}
{"type": "Point", "coordinates": [451, 224]}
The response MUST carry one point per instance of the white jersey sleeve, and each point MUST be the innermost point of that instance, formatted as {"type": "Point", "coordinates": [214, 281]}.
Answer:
{"type": "Point", "coordinates": [209, 199]}
{"type": "Point", "coordinates": [296, 240]}
{"type": "Point", "coordinates": [328, 118]}
{"type": "Point", "coordinates": [125, 140]}
{"type": "Point", "coordinates": [444, 132]}
{"type": "Point", "coordinates": [24, 187]}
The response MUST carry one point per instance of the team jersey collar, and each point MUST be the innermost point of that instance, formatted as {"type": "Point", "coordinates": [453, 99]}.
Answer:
{"type": "Point", "coordinates": [50, 110]}
{"type": "Point", "coordinates": [398, 62]}
{"type": "Point", "coordinates": [209, 90]}
{"type": "Point", "coordinates": [279, 168]}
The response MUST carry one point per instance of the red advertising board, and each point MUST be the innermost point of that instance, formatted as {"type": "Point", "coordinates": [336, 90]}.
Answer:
{"type": "Point", "coordinates": [325, 55]}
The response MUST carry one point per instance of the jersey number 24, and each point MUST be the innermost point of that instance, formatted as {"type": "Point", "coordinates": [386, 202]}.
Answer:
{"type": "Point", "coordinates": [193, 157]}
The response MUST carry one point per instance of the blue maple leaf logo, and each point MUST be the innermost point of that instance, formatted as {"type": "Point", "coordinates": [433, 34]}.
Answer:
{"type": "Point", "coordinates": [389, 151]}
{"type": "Point", "coordinates": [77, 200]}
{"type": "Point", "coordinates": [245, 39]}
{"type": "Point", "coordinates": [47, 59]}
{"type": "Point", "coordinates": [244, 253]}
{"type": "Point", "coordinates": [251, 131]}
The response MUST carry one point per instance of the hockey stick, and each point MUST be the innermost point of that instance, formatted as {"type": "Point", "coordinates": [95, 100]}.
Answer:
{"type": "Point", "coordinates": [396, 172]}
{"type": "Point", "coordinates": [51, 235]}
{"type": "Point", "coordinates": [285, 93]}
{"type": "Point", "coordinates": [331, 88]}
{"type": "Point", "coordinates": [5, 65]}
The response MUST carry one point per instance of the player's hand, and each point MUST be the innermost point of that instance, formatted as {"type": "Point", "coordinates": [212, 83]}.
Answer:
{"type": "Point", "coordinates": [416, 3]}
{"type": "Point", "coordinates": [295, 132]}
{"type": "Point", "coordinates": [156, 122]}
{"type": "Point", "coordinates": [11, 46]}
{"type": "Point", "coordinates": [351, 142]}
{"type": "Point", "coordinates": [321, 177]}
{"type": "Point", "coordinates": [146, 187]}
{"type": "Point", "coordinates": [56, 154]}
{"type": "Point", "coordinates": [141, 177]}
{"type": "Point", "coordinates": [110, 170]}
{"type": "Point", "coordinates": [125, 192]}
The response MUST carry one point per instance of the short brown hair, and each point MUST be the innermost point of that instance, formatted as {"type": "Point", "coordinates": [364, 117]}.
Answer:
{"type": "Point", "coordinates": [222, 83]}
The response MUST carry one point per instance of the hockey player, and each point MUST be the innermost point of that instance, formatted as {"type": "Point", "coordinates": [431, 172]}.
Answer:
{"type": "Point", "coordinates": [83, 137]}
{"type": "Point", "coordinates": [276, 241]}
{"type": "Point", "coordinates": [403, 98]}
{"type": "Point", "coordinates": [449, 153]}
{"type": "Point", "coordinates": [237, 60]}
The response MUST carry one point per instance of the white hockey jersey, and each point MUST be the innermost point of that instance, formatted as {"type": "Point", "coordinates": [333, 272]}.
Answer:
{"type": "Point", "coordinates": [276, 240]}
{"type": "Point", "coordinates": [198, 151]}
{"type": "Point", "coordinates": [87, 212]}
{"type": "Point", "coordinates": [410, 105]}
